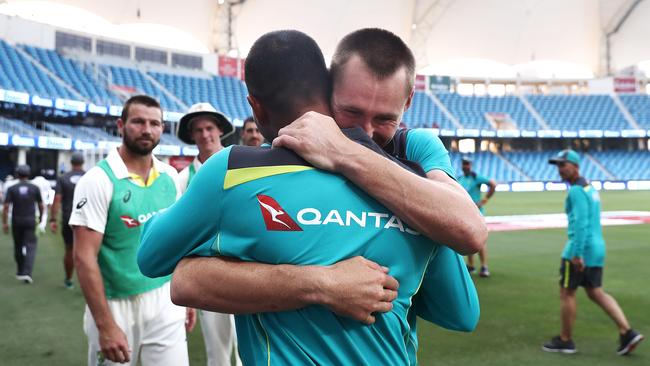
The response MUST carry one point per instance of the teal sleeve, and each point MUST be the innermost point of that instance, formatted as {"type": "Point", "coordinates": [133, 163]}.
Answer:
{"type": "Point", "coordinates": [425, 148]}
{"type": "Point", "coordinates": [447, 296]}
{"type": "Point", "coordinates": [578, 221]}
{"type": "Point", "coordinates": [482, 180]}
{"type": "Point", "coordinates": [187, 226]}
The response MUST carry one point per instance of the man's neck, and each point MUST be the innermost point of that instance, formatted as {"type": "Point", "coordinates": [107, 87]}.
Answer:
{"type": "Point", "coordinates": [135, 163]}
{"type": "Point", "coordinates": [574, 179]}
{"type": "Point", "coordinates": [206, 154]}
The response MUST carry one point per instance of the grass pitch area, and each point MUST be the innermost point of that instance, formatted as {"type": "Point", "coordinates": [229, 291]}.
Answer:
{"type": "Point", "coordinates": [42, 323]}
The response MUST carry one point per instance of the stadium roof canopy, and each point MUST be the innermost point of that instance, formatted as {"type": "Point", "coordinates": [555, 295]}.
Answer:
{"type": "Point", "coordinates": [477, 38]}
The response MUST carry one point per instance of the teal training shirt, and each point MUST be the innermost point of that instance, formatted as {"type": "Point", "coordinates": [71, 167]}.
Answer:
{"type": "Point", "coordinates": [425, 148]}
{"type": "Point", "coordinates": [253, 217]}
{"type": "Point", "coordinates": [447, 297]}
{"type": "Point", "coordinates": [582, 207]}
{"type": "Point", "coordinates": [472, 184]}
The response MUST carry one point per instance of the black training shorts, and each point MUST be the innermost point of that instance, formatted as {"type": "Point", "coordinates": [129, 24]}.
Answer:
{"type": "Point", "coordinates": [570, 277]}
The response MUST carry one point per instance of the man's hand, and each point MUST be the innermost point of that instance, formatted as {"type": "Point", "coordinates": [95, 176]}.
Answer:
{"type": "Point", "coordinates": [579, 263]}
{"type": "Point", "coordinates": [317, 139]}
{"type": "Point", "coordinates": [190, 319]}
{"type": "Point", "coordinates": [53, 226]}
{"type": "Point", "coordinates": [114, 344]}
{"type": "Point", "coordinates": [357, 288]}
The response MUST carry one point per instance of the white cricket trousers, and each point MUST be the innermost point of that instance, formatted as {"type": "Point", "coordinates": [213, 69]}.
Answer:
{"type": "Point", "coordinates": [220, 338]}
{"type": "Point", "coordinates": [154, 327]}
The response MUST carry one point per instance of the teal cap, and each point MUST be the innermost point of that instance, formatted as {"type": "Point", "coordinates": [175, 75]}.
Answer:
{"type": "Point", "coordinates": [565, 156]}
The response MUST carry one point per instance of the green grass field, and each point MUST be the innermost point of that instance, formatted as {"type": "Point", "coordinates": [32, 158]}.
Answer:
{"type": "Point", "coordinates": [41, 324]}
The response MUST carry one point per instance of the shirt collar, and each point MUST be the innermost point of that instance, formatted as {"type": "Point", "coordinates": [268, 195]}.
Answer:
{"type": "Point", "coordinates": [118, 167]}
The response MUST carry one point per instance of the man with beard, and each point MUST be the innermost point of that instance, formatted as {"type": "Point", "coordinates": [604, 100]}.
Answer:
{"type": "Point", "coordinates": [250, 134]}
{"type": "Point", "coordinates": [129, 317]}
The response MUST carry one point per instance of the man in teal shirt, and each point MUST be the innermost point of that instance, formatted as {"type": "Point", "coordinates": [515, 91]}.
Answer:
{"type": "Point", "coordinates": [372, 91]}
{"type": "Point", "coordinates": [583, 259]}
{"type": "Point", "coordinates": [285, 211]}
{"type": "Point", "coordinates": [472, 182]}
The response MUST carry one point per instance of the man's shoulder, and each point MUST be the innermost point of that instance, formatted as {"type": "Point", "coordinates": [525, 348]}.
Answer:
{"type": "Point", "coordinates": [253, 157]}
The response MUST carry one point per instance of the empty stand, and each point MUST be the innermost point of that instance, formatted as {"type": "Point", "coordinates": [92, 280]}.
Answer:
{"type": "Point", "coordinates": [471, 110]}
{"type": "Point", "coordinates": [579, 112]}
{"type": "Point", "coordinates": [20, 74]}
{"type": "Point", "coordinates": [424, 113]}
{"type": "Point", "coordinates": [70, 72]}
{"type": "Point", "coordinates": [227, 94]}
{"type": "Point", "coordinates": [639, 107]}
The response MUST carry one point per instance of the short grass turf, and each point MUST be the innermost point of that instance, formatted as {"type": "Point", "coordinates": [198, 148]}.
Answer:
{"type": "Point", "coordinates": [42, 323]}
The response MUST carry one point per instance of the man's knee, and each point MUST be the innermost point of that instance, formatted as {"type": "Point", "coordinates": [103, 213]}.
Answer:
{"type": "Point", "coordinates": [594, 293]}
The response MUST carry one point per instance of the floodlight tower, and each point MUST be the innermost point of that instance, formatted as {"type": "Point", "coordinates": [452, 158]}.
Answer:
{"type": "Point", "coordinates": [426, 14]}
{"type": "Point", "coordinates": [224, 39]}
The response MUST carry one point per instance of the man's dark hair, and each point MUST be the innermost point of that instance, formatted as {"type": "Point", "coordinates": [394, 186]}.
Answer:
{"type": "Point", "coordinates": [285, 71]}
{"type": "Point", "coordinates": [139, 99]}
{"type": "Point", "coordinates": [248, 119]}
{"type": "Point", "coordinates": [382, 51]}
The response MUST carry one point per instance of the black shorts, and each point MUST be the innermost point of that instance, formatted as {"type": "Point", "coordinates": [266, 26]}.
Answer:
{"type": "Point", "coordinates": [66, 232]}
{"type": "Point", "coordinates": [570, 277]}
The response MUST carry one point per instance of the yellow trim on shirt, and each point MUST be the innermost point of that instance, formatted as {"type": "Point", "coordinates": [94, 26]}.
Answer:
{"type": "Point", "coordinates": [138, 180]}
{"type": "Point", "coordinates": [239, 176]}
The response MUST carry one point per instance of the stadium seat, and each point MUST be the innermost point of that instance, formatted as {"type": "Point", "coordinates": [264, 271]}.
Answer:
{"type": "Point", "coordinates": [227, 94]}
{"type": "Point", "coordinates": [74, 75]}
{"type": "Point", "coordinates": [471, 110]}
{"type": "Point", "coordinates": [579, 112]}
{"type": "Point", "coordinates": [20, 74]}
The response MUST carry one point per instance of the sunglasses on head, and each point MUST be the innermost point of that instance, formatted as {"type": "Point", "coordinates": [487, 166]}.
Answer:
{"type": "Point", "coordinates": [561, 164]}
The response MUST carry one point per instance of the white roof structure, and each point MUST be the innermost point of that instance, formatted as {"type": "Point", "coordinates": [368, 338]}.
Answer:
{"type": "Point", "coordinates": [476, 38]}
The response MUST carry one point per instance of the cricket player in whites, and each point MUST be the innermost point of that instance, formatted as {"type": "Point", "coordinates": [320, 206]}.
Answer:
{"type": "Point", "coordinates": [204, 126]}
{"type": "Point", "coordinates": [129, 318]}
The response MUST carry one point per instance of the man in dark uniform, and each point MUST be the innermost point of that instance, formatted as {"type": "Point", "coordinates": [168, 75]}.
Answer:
{"type": "Point", "coordinates": [23, 196]}
{"type": "Point", "coordinates": [63, 197]}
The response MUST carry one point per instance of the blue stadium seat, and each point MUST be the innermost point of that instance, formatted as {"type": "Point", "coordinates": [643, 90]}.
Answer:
{"type": "Point", "coordinates": [488, 165]}
{"type": "Point", "coordinates": [424, 113]}
{"type": "Point", "coordinates": [227, 94]}
{"type": "Point", "coordinates": [626, 165]}
{"type": "Point", "coordinates": [20, 74]}
{"type": "Point", "coordinates": [70, 72]}
{"type": "Point", "coordinates": [471, 110]}
{"type": "Point", "coordinates": [579, 112]}
{"type": "Point", "coordinates": [133, 78]}
{"type": "Point", "coordinates": [639, 107]}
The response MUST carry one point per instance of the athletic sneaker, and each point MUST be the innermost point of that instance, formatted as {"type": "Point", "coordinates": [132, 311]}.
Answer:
{"type": "Point", "coordinates": [471, 269]}
{"type": "Point", "coordinates": [68, 284]}
{"type": "Point", "coordinates": [25, 278]}
{"type": "Point", "coordinates": [629, 341]}
{"type": "Point", "coordinates": [556, 344]}
{"type": "Point", "coordinates": [484, 272]}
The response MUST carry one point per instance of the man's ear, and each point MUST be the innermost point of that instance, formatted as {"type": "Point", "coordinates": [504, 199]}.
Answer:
{"type": "Point", "coordinates": [409, 100]}
{"type": "Point", "coordinates": [120, 126]}
{"type": "Point", "coordinates": [259, 113]}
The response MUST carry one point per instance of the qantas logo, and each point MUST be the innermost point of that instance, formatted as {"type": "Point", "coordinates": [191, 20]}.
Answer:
{"type": "Point", "coordinates": [275, 217]}
{"type": "Point", "coordinates": [379, 220]}
{"type": "Point", "coordinates": [129, 221]}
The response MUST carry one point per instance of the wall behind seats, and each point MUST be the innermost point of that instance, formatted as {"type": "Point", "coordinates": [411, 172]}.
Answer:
{"type": "Point", "coordinates": [16, 31]}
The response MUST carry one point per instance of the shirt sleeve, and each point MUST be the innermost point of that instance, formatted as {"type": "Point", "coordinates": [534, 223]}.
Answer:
{"type": "Point", "coordinates": [38, 196]}
{"type": "Point", "coordinates": [578, 220]}
{"type": "Point", "coordinates": [9, 195]}
{"type": "Point", "coordinates": [447, 296]}
{"type": "Point", "coordinates": [92, 197]}
{"type": "Point", "coordinates": [190, 223]}
{"type": "Point", "coordinates": [425, 148]}
{"type": "Point", "coordinates": [59, 185]}
{"type": "Point", "coordinates": [480, 180]}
